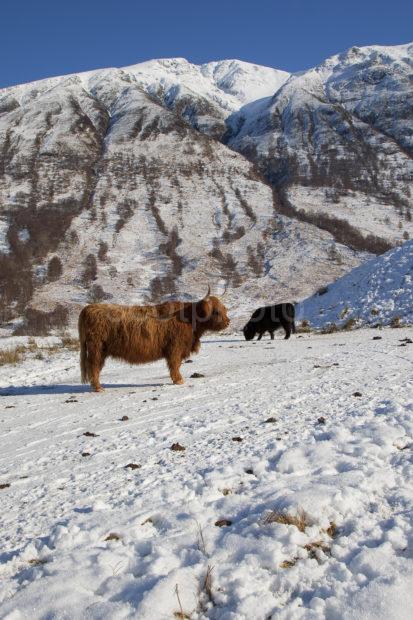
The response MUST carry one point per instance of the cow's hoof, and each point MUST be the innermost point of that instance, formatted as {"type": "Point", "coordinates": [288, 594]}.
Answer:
{"type": "Point", "coordinates": [179, 381]}
{"type": "Point", "coordinates": [99, 388]}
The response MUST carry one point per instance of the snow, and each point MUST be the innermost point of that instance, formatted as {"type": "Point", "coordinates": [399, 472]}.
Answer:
{"type": "Point", "coordinates": [353, 470]}
{"type": "Point", "coordinates": [226, 83]}
{"type": "Point", "coordinates": [376, 293]}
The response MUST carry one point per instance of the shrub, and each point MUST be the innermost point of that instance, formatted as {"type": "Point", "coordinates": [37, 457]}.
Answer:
{"type": "Point", "coordinates": [89, 270]}
{"type": "Point", "coordinates": [103, 250]}
{"type": "Point", "coordinates": [349, 325]}
{"type": "Point", "coordinates": [304, 327]}
{"type": "Point", "coordinates": [54, 269]}
{"type": "Point", "coordinates": [330, 328]}
{"type": "Point", "coordinates": [97, 294]}
{"type": "Point", "coordinates": [39, 323]}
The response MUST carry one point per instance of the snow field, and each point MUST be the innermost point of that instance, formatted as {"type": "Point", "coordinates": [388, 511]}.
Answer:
{"type": "Point", "coordinates": [326, 455]}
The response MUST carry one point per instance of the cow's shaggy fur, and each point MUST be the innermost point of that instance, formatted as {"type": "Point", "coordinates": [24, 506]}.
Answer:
{"type": "Point", "coordinates": [139, 334]}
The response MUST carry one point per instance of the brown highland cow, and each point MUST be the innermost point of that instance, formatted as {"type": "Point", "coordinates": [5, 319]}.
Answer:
{"type": "Point", "coordinates": [142, 334]}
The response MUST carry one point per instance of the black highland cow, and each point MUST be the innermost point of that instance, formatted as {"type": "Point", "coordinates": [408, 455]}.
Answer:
{"type": "Point", "coordinates": [270, 318]}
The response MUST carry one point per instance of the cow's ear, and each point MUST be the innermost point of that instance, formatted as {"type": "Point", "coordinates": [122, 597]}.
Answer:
{"type": "Point", "coordinates": [203, 310]}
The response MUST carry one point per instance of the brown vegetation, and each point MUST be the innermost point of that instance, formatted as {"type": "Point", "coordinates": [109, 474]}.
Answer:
{"type": "Point", "coordinates": [40, 323]}
{"type": "Point", "coordinates": [299, 520]}
{"type": "Point", "coordinates": [11, 356]}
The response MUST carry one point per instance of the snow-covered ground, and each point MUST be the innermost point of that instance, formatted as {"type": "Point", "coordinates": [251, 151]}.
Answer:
{"type": "Point", "coordinates": [379, 292]}
{"type": "Point", "coordinates": [324, 426]}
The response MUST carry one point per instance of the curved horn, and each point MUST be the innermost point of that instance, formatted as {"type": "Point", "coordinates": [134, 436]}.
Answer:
{"type": "Point", "coordinates": [225, 290]}
{"type": "Point", "coordinates": [208, 293]}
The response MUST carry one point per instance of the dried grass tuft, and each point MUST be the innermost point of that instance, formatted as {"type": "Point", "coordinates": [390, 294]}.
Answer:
{"type": "Point", "coordinates": [12, 356]}
{"type": "Point", "coordinates": [300, 520]}
{"type": "Point", "coordinates": [317, 545]}
{"type": "Point", "coordinates": [332, 530]}
{"type": "Point", "coordinates": [37, 561]}
{"type": "Point", "coordinates": [180, 614]}
{"type": "Point", "coordinates": [70, 343]}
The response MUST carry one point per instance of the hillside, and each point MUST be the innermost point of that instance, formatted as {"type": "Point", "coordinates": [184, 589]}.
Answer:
{"type": "Point", "coordinates": [145, 182]}
{"type": "Point", "coordinates": [338, 139]}
{"type": "Point", "coordinates": [379, 292]}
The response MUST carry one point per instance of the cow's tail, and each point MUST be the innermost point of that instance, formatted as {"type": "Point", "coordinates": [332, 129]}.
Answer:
{"type": "Point", "coordinates": [84, 366]}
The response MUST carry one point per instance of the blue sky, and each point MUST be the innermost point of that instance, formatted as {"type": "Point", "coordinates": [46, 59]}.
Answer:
{"type": "Point", "coordinates": [40, 38]}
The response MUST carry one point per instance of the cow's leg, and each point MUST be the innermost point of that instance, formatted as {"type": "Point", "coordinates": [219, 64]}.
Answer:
{"type": "Point", "coordinates": [260, 336]}
{"type": "Point", "coordinates": [272, 335]}
{"type": "Point", "coordinates": [96, 361]}
{"type": "Point", "coordinates": [174, 360]}
{"type": "Point", "coordinates": [293, 327]}
{"type": "Point", "coordinates": [287, 328]}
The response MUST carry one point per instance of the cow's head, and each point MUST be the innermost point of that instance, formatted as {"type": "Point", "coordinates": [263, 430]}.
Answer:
{"type": "Point", "coordinates": [211, 314]}
{"type": "Point", "coordinates": [208, 314]}
{"type": "Point", "coordinates": [249, 330]}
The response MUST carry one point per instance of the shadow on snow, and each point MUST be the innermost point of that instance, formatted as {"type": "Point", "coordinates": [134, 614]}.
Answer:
{"type": "Point", "coordinates": [61, 388]}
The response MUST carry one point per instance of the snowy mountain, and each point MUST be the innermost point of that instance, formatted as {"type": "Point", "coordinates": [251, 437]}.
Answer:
{"type": "Point", "coordinates": [206, 95]}
{"type": "Point", "coordinates": [379, 292]}
{"type": "Point", "coordinates": [126, 184]}
{"type": "Point", "coordinates": [339, 140]}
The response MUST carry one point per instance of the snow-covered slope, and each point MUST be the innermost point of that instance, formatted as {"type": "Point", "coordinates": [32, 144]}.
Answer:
{"type": "Point", "coordinates": [86, 536]}
{"type": "Point", "coordinates": [379, 292]}
{"type": "Point", "coordinates": [339, 138]}
{"type": "Point", "coordinates": [107, 194]}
